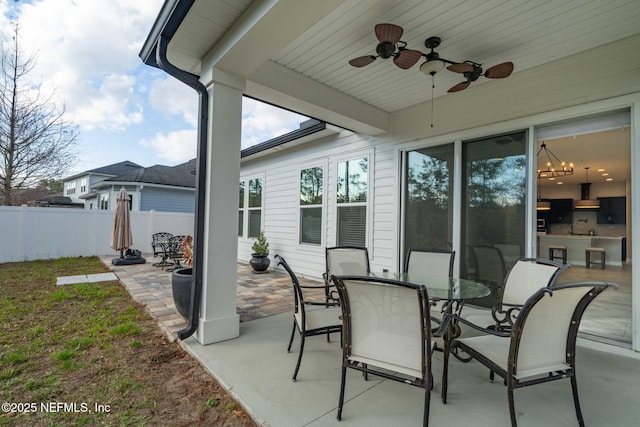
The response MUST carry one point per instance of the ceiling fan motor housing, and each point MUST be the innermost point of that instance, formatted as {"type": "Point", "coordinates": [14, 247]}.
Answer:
{"type": "Point", "coordinates": [474, 75]}
{"type": "Point", "coordinates": [385, 49]}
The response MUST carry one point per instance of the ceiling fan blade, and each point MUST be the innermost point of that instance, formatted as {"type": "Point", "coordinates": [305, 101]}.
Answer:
{"type": "Point", "coordinates": [462, 67]}
{"type": "Point", "coordinates": [459, 87]}
{"type": "Point", "coordinates": [388, 33]}
{"type": "Point", "coordinates": [362, 61]}
{"type": "Point", "coordinates": [499, 71]}
{"type": "Point", "coordinates": [407, 58]}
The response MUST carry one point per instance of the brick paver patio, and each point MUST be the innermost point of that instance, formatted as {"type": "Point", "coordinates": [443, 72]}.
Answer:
{"type": "Point", "coordinates": [259, 295]}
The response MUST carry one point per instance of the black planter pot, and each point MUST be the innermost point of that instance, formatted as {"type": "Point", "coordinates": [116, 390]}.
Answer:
{"type": "Point", "coordinates": [181, 285]}
{"type": "Point", "coordinates": [259, 263]}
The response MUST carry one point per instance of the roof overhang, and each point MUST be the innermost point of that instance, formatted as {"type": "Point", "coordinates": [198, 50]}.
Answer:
{"type": "Point", "coordinates": [206, 35]}
{"type": "Point", "coordinates": [289, 140]}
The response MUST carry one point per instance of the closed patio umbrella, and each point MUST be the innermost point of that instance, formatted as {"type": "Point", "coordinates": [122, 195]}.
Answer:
{"type": "Point", "coordinates": [122, 238]}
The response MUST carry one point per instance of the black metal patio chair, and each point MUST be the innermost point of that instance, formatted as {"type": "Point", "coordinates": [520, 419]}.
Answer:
{"type": "Point", "coordinates": [310, 318]}
{"type": "Point", "coordinates": [386, 332]}
{"type": "Point", "coordinates": [539, 347]}
{"type": "Point", "coordinates": [158, 242]}
{"type": "Point", "coordinates": [344, 260]}
{"type": "Point", "coordinates": [435, 262]}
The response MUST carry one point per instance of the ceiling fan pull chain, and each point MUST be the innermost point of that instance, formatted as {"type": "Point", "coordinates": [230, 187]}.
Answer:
{"type": "Point", "coordinates": [433, 85]}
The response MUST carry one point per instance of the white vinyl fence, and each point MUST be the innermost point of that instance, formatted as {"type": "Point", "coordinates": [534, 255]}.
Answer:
{"type": "Point", "coordinates": [28, 233]}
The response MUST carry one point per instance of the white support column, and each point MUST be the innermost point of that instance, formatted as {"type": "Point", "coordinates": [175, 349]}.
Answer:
{"type": "Point", "coordinates": [218, 319]}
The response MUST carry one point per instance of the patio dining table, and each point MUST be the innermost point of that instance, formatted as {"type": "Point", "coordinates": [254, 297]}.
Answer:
{"type": "Point", "coordinates": [440, 287]}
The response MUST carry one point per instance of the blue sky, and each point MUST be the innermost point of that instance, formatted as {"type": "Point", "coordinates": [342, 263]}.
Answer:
{"type": "Point", "coordinates": [87, 55]}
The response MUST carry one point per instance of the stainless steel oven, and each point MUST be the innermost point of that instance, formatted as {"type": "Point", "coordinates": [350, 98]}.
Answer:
{"type": "Point", "coordinates": [542, 226]}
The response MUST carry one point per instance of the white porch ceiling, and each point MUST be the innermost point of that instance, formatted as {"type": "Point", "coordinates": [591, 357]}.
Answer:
{"type": "Point", "coordinates": [314, 41]}
{"type": "Point", "coordinates": [295, 53]}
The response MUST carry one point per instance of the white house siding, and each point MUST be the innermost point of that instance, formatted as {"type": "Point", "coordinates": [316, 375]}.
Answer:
{"type": "Point", "coordinates": [167, 200]}
{"type": "Point", "coordinates": [281, 205]}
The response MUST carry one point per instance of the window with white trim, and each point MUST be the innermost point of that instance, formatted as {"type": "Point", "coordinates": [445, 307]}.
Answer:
{"type": "Point", "coordinates": [311, 195]}
{"type": "Point", "coordinates": [70, 187]}
{"type": "Point", "coordinates": [352, 188]}
{"type": "Point", "coordinates": [83, 185]}
{"type": "Point", "coordinates": [104, 201]}
{"type": "Point", "coordinates": [250, 208]}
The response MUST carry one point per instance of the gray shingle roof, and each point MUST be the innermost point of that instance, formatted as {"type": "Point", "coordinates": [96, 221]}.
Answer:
{"type": "Point", "coordinates": [116, 168]}
{"type": "Point", "coordinates": [182, 175]}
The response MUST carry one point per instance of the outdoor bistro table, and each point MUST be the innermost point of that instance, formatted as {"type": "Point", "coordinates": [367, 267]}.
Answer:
{"type": "Point", "coordinates": [453, 290]}
{"type": "Point", "coordinates": [440, 287]}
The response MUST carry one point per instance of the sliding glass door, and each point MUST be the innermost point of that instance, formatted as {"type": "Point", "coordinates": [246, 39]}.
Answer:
{"type": "Point", "coordinates": [428, 215]}
{"type": "Point", "coordinates": [492, 217]}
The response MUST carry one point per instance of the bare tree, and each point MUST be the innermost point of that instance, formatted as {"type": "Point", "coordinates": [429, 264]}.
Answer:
{"type": "Point", "coordinates": [36, 141]}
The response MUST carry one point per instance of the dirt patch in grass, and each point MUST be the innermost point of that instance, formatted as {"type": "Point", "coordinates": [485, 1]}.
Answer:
{"type": "Point", "coordinates": [87, 354]}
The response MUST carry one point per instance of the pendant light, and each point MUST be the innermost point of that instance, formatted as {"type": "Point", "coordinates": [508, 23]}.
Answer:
{"type": "Point", "coordinates": [585, 201]}
{"type": "Point", "coordinates": [542, 205]}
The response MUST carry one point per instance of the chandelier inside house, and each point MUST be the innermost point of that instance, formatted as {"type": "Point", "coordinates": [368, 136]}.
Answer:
{"type": "Point", "coordinates": [554, 166]}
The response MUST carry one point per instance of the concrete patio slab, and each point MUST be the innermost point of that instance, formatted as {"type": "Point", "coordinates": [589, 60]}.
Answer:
{"type": "Point", "coordinates": [257, 370]}
{"type": "Point", "coordinates": [85, 278]}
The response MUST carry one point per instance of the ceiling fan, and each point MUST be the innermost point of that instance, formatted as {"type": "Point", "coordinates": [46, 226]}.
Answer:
{"type": "Point", "coordinates": [472, 71]}
{"type": "Point", "coordinates": [390, 45]}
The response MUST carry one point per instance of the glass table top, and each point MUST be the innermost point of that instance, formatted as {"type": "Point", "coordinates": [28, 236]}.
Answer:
{"type": "Point", "coordinates": [442, 287]}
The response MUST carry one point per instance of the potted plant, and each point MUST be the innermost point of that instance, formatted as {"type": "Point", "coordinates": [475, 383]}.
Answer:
{"type": "Point", "coordinates": [182, 279]}
{"type": "Point", "coordinates": [260, 256]}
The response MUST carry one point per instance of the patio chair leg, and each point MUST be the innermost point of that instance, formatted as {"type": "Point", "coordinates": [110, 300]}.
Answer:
{"type": "Point", "coordinates": [512, 408]}
{"type": "Point", "coordinates": [293, 332]}
{"type": "Point", "coordinates": [341, 400]}
{"type": "Point", "coordinates": [295, 373]}
{"type": "Point", "coordinates": [427, 403]}
{"type": "Point", "coordinates": [576, 401]}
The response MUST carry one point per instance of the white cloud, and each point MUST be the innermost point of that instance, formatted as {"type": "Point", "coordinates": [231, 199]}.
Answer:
{"type": "Point", "coordinates": [175, 98]}
{"type": "Point", "coordinates": [175, 147]}
{"type": "Point", "coordinates": [88, 52]}
{"type": "Point", "coordinates": [261, 122]}
{"type": "Point", "coordinates": [110, 106]}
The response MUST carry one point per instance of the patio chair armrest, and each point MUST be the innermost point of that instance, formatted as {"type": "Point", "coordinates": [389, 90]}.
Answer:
{"type": "Point", "coordinates": [491, 330]}
{"type": "Point", "coordinates": [314, 286]}
{"type": "Point", "coordinates": [322, 303]}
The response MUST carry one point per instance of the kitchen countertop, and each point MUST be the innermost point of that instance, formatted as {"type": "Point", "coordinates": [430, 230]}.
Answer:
{"type": "Point", "coordinates": [580, 236]}
{"type": "Point", "coordinates": [577, 243]}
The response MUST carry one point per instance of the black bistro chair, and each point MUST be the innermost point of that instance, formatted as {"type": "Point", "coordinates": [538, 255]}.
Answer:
{"type": "Point", "coordinates": [386, 332]}
{"type": "Point", "coordinates": [539, 347]}
{"type": "Point", "coordinates": [310, 318]}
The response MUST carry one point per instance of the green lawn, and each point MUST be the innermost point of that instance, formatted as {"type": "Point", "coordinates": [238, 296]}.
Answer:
{"type": "Point", "coordinates": [87, 354]}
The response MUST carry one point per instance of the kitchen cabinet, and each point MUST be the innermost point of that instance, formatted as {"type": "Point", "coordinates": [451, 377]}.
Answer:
{"type": "Point", "coordinates": [613, 210]}
{"type": "Point", "coordinates": [561, 211]}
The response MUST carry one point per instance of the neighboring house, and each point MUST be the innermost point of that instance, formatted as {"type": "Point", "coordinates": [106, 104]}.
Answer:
{"type": "Point", "coordinates": [159, 188]}
{"type": "Point", "coordinates": [78, 187]}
